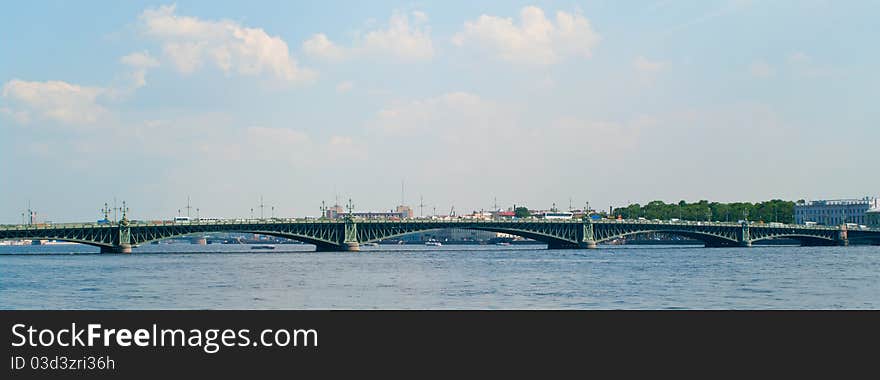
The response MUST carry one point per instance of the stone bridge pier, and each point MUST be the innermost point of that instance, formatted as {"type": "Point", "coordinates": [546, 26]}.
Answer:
{"type": "Point", "coordinates": [122, 248]}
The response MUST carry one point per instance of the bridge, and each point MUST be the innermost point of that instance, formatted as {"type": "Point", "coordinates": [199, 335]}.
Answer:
{"type": "Point", "coordinates": [347, 234]}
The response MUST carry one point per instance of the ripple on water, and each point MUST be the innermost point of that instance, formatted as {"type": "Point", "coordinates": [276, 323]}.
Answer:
{"type": "Point", "coordinates": [477, 277]}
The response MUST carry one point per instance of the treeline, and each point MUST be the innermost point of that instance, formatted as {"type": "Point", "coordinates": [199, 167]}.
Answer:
{"type": "Point", "coordinates": [770, 211]}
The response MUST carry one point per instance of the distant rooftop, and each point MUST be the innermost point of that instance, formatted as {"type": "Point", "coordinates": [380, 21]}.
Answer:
{"type": "Point", "coordinates": [840, 202]}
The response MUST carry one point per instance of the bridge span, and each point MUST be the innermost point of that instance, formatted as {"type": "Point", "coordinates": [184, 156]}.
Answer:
{"type": "Point", "coordinates": [347, 234]}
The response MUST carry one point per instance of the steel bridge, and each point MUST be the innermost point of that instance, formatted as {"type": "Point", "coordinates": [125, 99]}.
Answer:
{"type": "Point", "coordinates": [347, 234]}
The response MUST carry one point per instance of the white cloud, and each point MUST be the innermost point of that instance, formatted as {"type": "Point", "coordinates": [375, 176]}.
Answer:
{"type": "Point", "coordinates": [20, 117]}
{"type": "Point", "coordinates": [799, 58]}
{"type": "Point", "coordinates": [319, 46]}
{"type": "Point", "coordinates": [401, 40]}
{"type": "Point", "coordinates": [340, 143]}
{"type": "Point", "coordinates": [420, 17]}
{"type": "Point", "coordinates": [139, 63]}
{"type": "Point", "coordinates": [54, 100]}
{"type": "Point", "coordinates": [189, 42]}
{"type": "Point", "coordinates": [761, 69]}
{"type": "Point", "coordinates": [536, 40]}
{"type": "Point", "coordinates": [451, 110]}
{"type": "Point", "coordinates": [140, 59]}
{"type": "Point", "coordinates": [803, 65]}
{"type": "Point", "coordinates": [344, 87]}
{"type": "Point", "coordinates": [647, 66]}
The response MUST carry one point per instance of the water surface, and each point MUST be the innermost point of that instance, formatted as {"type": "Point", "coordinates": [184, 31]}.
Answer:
{"type": "Point", "coordinates": [180, 276]}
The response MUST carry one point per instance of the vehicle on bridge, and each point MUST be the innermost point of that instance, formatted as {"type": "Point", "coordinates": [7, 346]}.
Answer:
{"type": "Point", "coordinates": [557, 215]}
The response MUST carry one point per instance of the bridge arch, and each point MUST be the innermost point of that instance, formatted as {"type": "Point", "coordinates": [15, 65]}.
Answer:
{"type": "Point", "coordinates": [320, 243]}
{"type": "Point", "coordinates": [92, 243]}
{"type": "Point", "coordinates": [710, 239]}
{"type": "Point", "coordinates": [805, 240]}
{"type": "Point", "coordinates": [529, 234]}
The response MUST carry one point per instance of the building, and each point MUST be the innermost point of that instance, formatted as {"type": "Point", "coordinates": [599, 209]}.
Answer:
{"type": "Point", "coordinates": [835, 212]}
{"type": "Point", "coordinates": [337, 212]}
{"type": "Point", "coordinates": [334, 212]}
{"type": "Point", "coordinates": [378, 215]}
{"type": "Point", "coordinates": [405, 212]}
{"type": "Point", "coordinates": [872, 217]}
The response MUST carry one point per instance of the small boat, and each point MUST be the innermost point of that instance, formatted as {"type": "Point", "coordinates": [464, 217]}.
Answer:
{"type": "Point", "coordinates": [433, 243]}
{"type": "Point", "coordinates": [263, 247]}
{"type": "Point", "coordinates": [502, 243]}
{"type": "Point", "coordinates": [370, 244]}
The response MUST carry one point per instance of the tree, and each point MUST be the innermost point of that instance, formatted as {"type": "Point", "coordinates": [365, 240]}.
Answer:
{"type": "Point", "coordinates": [522, 212]}
{"type": "Point", "coordinates": [768, 211]}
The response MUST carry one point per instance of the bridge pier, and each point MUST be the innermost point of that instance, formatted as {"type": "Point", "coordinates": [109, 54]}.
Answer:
{"type": "Point", "coordinates": [558, 244]}
{"type": "Point", "coordinates": [344, 247]}
{"type": "Point", "coordinates": [716, 244]}
{"type": "Point", "coordinates": [123, 248]}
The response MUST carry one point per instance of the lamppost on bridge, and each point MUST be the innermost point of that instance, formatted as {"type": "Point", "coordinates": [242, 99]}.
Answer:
{"type": "Point", "coordinates": [106, 212]}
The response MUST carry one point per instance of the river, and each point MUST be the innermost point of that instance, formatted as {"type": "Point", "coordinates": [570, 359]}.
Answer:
{"type": "Point", "coordinates": [182, 276]}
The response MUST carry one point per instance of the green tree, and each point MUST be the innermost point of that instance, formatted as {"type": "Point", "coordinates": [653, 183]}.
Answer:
{"type": "Point", "coordinates": [775, 210]}
{"type": "Point", "coordinates": [522, 212]}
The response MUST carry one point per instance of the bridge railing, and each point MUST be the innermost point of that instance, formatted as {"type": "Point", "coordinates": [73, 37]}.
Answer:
{"type": "Point", "coordinates": [53, 226]}
{"type": "Point", "coordinates": [462, 221]}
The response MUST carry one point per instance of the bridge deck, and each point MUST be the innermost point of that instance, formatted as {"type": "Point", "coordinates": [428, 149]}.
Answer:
{"type": "Point", "coordinates": [346, 234]}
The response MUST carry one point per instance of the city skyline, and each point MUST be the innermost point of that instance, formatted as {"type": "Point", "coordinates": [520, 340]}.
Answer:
{"type": "Point", "coordinates": [525, 103]}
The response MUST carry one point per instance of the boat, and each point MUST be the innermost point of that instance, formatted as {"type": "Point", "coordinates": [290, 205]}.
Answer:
{"type": "Point", "coordinates": [370, 244]}
{"type": "Point", "coordinates": [433, 243]}
{"type": "Point", "coordinates": [263, 247]}
{"type": "Point", "coordinates": [502, 243]}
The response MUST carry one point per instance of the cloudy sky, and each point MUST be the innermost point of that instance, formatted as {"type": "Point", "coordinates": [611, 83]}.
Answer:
{"type": "Point", "coordinates": [466, 102]}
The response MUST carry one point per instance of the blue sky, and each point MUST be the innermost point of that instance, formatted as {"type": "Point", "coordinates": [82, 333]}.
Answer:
{"type": "Point", "coordinates": [531, 103]}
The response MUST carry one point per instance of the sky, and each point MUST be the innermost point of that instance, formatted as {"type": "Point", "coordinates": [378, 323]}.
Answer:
{"type": "Point", "coordinates": [467, 104]}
